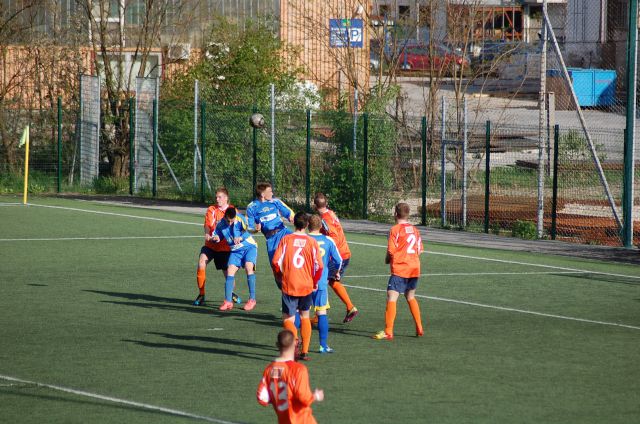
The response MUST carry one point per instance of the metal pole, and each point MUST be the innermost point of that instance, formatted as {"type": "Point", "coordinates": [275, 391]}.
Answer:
{"type": "Point", "coordinates": [464, 165]}
{"type": "Point", "coordinates": [255, 153]}
{"type": "Point", "coordinates": [195, 136]}
{"type": "Point", "coordinates": [423, 215]}
{"type": "Point", "coordinates": [355, 120]}
{"type": "Point", "coordinates": [59, 177]}
{"type": "Point", "coordinates": [203, 138]}
{"type": "Point", "coordinates": [154, 175]}
{"type": "Point", "coordinates": [487, 176]}
{"type": "Point", "coordinates": [132, 150]}
{"type": "Point", "coordinates": [554, 201]}
{"type": "Point", "coordinates": [365, 168]}
{"type": "Point", "coordinates": [443, 163]}
{"type": "Point", "coordinates": [308, 171]}
{"type": "Point", "coordinates": [273, 136]}
{"type": "Point", "coordinates": [629, 139]}
{"type": "Point", "coordinates": [542, 115]}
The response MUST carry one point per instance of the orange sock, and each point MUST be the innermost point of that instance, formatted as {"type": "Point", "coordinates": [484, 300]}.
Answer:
{"type": "Point", "coordinates": [389, 317]}
{"type": "Point", "coordinates": [415, 311]}
{"type": "Point", "coordinates": [339, 289]}
{"type": "Point", "coordinates": [305, 331]}
{"type": "Point", "coordinates": [291, 326]}
{"type": "Point", "coordinates": [201, 277]}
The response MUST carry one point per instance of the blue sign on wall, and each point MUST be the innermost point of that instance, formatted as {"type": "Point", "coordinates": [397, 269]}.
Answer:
{"type": "Point", "coordinates": [346, 33]}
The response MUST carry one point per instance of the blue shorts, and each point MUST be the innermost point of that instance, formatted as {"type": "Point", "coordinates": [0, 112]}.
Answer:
{"type": "Point", "coordinates": [321, 300]}
{"type": "Point", "coordinates": [274, 240]}
{"type": "Point", "coordinates": [292, 304]}
{"type": "Point", "coordinates": [401, 284]}
{"type": "Point", "coordinates": [221, 259]}
{"type": "Point", "coordinates": [240, 257]}
{"type": "Point", "coordinates": [336, 274]}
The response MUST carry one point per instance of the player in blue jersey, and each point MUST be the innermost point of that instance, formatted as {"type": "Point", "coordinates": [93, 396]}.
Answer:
{"type": "Point", "coordinates": [244, 253]}
{"type": "Point", "coordinates": [265, 214]}
{"type": "Point", "coordinates": [330, 254]}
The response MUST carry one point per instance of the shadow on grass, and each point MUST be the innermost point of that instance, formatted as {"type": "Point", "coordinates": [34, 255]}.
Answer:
{"type": "Point", "coordinates": [37, 285]}
{"type": "Point", "coordinates": [595, 277]}
{"type": "Point", "coordinates": [140, 296]}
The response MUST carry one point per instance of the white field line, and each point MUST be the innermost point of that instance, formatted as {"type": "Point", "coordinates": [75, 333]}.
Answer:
{"type": "Point", "coordinates": [10, 204]}
{"type": "Point", "coordinates": [99, 238]}
{"type": "Point", "coordinates": [504, 261]}
{"type": "Point", "coordinates": [447, 274]}
{"type": "Point", "coordinates": [117, 400]}
{"type": "Point", "coordinates": [502, 308]}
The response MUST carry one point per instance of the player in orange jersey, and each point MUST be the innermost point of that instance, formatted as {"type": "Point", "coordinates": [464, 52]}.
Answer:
{"type": "Point", "coordinates": [297, 263]}
{"type": "Point", "coordinates": [218, 252]}
{"type": "Point", "coordinates": [331, 227]}
{"type": "Point", "coordinates": [404, 247]}
{"type": "Point", "coordinates": [285, 385]}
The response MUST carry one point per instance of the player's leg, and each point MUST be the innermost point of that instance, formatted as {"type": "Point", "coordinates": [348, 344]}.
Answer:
{"type": "Point", "coordinates": [321, 305]}
{"type": "Point", "coordinates": [251, 282]}
{"type": "Point", "coordinates": [221, 259]}
{"type": "Point", "coordinates": [272, 246]}
{"type": "Point", "coordinates": [304, 306]}
{"type": "Point", "coordinates": [289, 308]}
{"type": "Point", "coordinates": [414, 307]}
{"type": "Point", "coordinates": [335, 275]}
{"type": "Point", "coordinates": [395, 286]}
{"type": "Point", "coordinates": [229, 283]}
{"type": "Point", "coordinates": [201, 274]}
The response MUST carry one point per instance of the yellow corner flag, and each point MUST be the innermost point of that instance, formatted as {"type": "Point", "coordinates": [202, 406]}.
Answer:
{"type": "Point", "coordinates": [24, 140]}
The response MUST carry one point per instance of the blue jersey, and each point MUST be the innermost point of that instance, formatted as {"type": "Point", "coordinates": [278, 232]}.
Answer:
{"type": "Point", "coordinates": [268, 214]}
{"type": "Point", "coordinates": [237, 229]}
{"type": "Point", "coordinates": [330, 254]}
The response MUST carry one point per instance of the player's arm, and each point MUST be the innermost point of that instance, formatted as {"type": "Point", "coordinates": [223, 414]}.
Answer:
{"type": "Point", "coordinates": [278, 257]}
{"type": "Point", "coordinates": [335, 255]}
{"type": "Point", "coordinates": [262, 394]}
{"type": "Point", "coordinates": [285, 210]}
{"type": "Point", "coordinates": [391, 246]}
{"type": "Point", "coordinates": [317, 264]}
{"type": "Point", "coordinates": [302, 390]}
{"type": "Point", "coordinates": [217, 235]}
{"type": "Point", "coordinates": [253, 224]}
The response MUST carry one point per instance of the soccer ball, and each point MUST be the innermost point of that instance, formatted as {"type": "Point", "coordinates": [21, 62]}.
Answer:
{"type": "Point", "coordinates": [256, 120]}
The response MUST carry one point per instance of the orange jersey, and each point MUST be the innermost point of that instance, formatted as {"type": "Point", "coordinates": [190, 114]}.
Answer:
{"type": "Point", "coordinates": [331, 227]}
{"type": "Point", "coordinates": [213, 216]}
{"type": "Point", "coordinates": [404, 247]}
{"type": "Point", "coordinates": [298, 259]}
{"type": "Point", "coordinates": [285, 385]}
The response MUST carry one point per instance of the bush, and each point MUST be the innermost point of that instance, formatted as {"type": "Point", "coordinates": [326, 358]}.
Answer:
{"type": "Point", "coordinates": [525, 230]}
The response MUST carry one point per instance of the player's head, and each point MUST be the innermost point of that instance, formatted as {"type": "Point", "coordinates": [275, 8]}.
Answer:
{"type": "Point", "coordinates": [264, 191]}
{"type": "Point", "coordinates": [286, 340]}
{"type": "Point", "coordinates": [315, 223]}
{"type": "Point", "coordinates": [402, 211]}
{"type": "Point", "coordinates": [230, 215]}
{"type": "Point", "coordinates": [320, 201]}
{"type": "Point", "coordinates": [222, 196]}
{"type": "Point", "coordinates": [300, 221]}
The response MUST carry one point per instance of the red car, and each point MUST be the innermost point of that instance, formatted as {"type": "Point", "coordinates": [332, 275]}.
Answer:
{"type": "Point", "coordinates": [416, 57]}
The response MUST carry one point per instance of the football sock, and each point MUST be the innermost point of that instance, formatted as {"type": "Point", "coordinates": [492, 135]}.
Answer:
{"type": "Point", "coordinates": [389, 317]}
{"type": "Point", "coordinates": [305, 331]}
{"type": "Point", "coordinates": [251, 281]}
{"type": "Point", "coordinates": [228, 288]}
{"type": "Point", "coordinates": [339, 289]}
{"type": "Point", "coordinates": [297, 321]}
{"type": "Point", "coordinates": [415, 311]}
{"type": "Point", "coordinates": [289, 325]}
{"type": "Point", "coordinates": [323, 329]}
{"type": "Point", "coordinates": [201, 278]}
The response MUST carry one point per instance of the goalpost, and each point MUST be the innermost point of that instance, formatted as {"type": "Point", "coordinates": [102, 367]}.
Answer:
{"type": "Point", "coordinates": [24, 140]}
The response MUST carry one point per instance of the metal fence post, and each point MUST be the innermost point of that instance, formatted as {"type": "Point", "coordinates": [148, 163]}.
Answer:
{"type": "Point", "coordinates": [554, 201]}
{"type": "Point", "coordinates": [308, 171]}
{"type": "Point", "coordinates": [131, 147]}
{"type": "Point", "coordinates": [464, 166]}
{"type": "Point", "coordinates": [423, 182]}
{"type": "Point", "coordinates": [631, 83]}
{"type": "Point", "coordinates": [203, 138]}
{"type": "Point", "coordinates": [154, 187]}
{"type": "Point", "coordinates": [255, 153]}
{"type": "Point", "coordinates": [59, 176]}
{"type": "Point", "coordinates": [443, 166]}
{"type": "Point", "coordinates": [365, 167]}
{"type": "Point", "coordinates": [487, 176]}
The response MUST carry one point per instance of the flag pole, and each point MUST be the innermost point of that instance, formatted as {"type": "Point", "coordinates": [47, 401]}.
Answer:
{"type": "Point", "coordinates": [25, 140]}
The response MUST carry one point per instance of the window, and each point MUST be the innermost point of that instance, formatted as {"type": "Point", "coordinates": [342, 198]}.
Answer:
{"type": "Point", "coordinates": [383, 10]}
{"type": "Point", "coordinates": [134, 12]}
{"type": "Point", "coordinates": [404, 12]}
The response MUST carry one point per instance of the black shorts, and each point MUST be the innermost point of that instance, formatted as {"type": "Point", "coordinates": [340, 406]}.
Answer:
{"type": "Point", "coordinates": [221, 259]}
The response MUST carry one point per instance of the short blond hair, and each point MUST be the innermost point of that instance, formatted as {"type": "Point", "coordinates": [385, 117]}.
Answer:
{"type": "Point", "coordinates": [315, 222]}
{"type": "Point", "coordinates": [402, 210]}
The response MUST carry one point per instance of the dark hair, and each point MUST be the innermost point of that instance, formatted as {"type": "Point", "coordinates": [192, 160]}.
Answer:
{"type": "Point", "coordinates": [402, 210]}
{"type": "Point", "coordinates": [260, 187]}
{"type": "Point", "coordinates": [320, 200]}
{"type": "Point", "coordinates": [300, 221]}
{"type": "Point", "coordinates": [230, 213]}
{"type": "Point", "coordinates": [285, 339]}
{"type": "Point", "coordinates": [315, 222]}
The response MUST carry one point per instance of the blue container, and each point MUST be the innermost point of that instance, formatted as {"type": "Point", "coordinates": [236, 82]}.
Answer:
{"type": "Point", "coordinates": [593, 87]}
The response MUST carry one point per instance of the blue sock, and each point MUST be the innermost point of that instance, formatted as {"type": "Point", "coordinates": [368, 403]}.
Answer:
{"type": "Point", "coordinates": [251, 281]}
{"type": "Point", "coordinates": [323, 329]}
{"type": "Point", "coordinates": [297, 320]}
{"type": "Point", "coordinates": [228, 288]}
